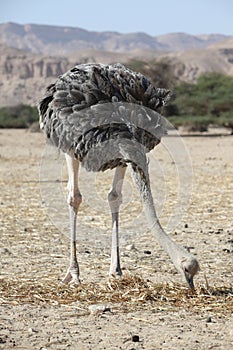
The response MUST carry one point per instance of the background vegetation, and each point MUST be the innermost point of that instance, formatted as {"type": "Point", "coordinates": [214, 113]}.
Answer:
{"type": "Point", "coordinates": [20, 116]}
{"type": "Point", "coordinates": [196, 106]}
{"type": "Point", "coordinates": [208, 102]}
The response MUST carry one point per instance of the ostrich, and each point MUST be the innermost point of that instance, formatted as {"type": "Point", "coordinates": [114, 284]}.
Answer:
{"type": "Point", "coordinates": [104, 117]}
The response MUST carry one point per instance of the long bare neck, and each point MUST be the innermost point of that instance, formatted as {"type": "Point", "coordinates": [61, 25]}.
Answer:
{"type": "Point", "coordinates": [154, 225]}
{"type": "Point", "coordinates": [175, 252]}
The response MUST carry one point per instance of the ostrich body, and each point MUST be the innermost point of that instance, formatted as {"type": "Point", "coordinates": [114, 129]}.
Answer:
{"type": "Point", "coordinates": [105, 117]}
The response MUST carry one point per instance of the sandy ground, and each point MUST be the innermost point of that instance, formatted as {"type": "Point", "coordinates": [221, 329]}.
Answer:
{"type": "Point", "coordinates": [194, 203]}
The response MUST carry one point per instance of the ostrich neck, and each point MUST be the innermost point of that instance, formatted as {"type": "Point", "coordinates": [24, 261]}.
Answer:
{"type": "Point", "coordinates": [174, 250]}
{"type": "Point", "coordinates": [154, 225]}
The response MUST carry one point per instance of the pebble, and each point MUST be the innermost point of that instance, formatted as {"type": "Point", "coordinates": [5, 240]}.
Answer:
{"type": "Point", "coordinates": [147, 252]}
{"type": "Point", "coordinates": [89, 218]}
{"type": "Point", "coordinates": [32, 330]}
{"type": "Point", "coordinates": [135, 338]}
{"type": "Point", "coordinates": [188, 248]}
{"type": "Point", "coordinates": [5, 251]}
{"type": "Point", "coordinates": [208, 319]}
{"type": "Point", "coordinates": [226, 250]}
{"type": "Point", "coordinates": [130, 247]}
{"type": "Point", "coordinates": [96, 309]}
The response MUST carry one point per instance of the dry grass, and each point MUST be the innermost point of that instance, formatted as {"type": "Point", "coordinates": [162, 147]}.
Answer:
{"type": "Point", "coordinates": [128, 293]}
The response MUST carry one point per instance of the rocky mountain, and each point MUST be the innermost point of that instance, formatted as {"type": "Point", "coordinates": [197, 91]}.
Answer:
{"type": "Point", "coordinates": [183, 41]}
{"type": "Point", "coordinates": [31, 56]}
{"type": "Point", "coordinates": [54, 40]}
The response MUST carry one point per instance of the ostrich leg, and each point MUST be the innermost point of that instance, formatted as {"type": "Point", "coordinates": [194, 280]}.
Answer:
{"type": "Point", "coordinates": [74, 200]}
{"type": "Point", "coordinates": [115, 200]}
{"type": "Point", "coordinates": [184, 261]}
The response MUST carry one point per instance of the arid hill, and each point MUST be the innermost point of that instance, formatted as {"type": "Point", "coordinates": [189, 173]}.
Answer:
{"type": "Point", "coordinates": [32, 56]}
{"type": "Point", "coordinates": [55, 40]}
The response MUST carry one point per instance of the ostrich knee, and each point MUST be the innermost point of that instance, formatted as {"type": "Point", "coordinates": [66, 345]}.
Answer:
{"type": "Point", "coordinates": [114, 200]}
{"type": "Point", "coordinates": [74, 199]}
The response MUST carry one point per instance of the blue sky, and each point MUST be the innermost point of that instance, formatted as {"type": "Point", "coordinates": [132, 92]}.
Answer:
{"type": "Point", "coordinates": [154, 17]}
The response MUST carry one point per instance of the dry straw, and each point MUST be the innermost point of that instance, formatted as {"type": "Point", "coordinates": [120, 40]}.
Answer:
{"type": "Point", "coordinates": [128, 293]}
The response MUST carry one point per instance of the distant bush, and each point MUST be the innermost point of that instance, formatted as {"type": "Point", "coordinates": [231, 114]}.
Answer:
{"type": "Point", "coordinates": [20, 116]}
{"type": "Point", "coordinates": [195, 106]}
{"type": "Point", "coordinates": [209, 101]}
{"type": "Point", "coordinates": [191, 123]}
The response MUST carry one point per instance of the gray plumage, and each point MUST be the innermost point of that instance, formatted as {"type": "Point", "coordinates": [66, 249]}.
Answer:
{"type": "Point", "coordinates": [95, 103]}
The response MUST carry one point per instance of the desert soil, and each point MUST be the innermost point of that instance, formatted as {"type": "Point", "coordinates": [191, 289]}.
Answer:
{"type": "Point", "coordinates": [152, 308]}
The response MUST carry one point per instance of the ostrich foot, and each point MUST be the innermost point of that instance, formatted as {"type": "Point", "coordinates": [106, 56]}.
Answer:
{"type": "Point", "coordinates": [72, 276]}
{"type": "Point", "coordinates": [115, 272]}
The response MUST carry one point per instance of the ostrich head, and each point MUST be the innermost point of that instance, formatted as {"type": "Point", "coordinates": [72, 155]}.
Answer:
{"type": "Point", "coordinates": [189, 266]}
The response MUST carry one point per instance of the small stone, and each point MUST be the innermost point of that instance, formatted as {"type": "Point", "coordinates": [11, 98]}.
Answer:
{"type": "Point", "coordinates": [188, 248]}
{"type": "Point", "coordinates": [208, 319]}
{"type": "Point", "coordinates": [209, 210]}
{"type": "Point", "coordinates": [186, 225]}
{"type": "Point", "coordinates": [90, 218]}
{"type": "Point", "coordinates": [135, 338]}
{"type": "Point", "coordinates": [130, 247]}
{"type": "Point", "coordinates": [32, 330]}
{"type": "Point", "coordinates": [5, 251]}
{"type": "Point", "coordinates": [96, 309]}
{"type": "Point", "coordinates": [226, 250]}
{"type": "Point", "coordinates": [147, 252]}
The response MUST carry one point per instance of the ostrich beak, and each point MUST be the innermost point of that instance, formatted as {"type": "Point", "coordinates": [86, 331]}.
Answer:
{"type": "Point", "coordinates": [189, 280]}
